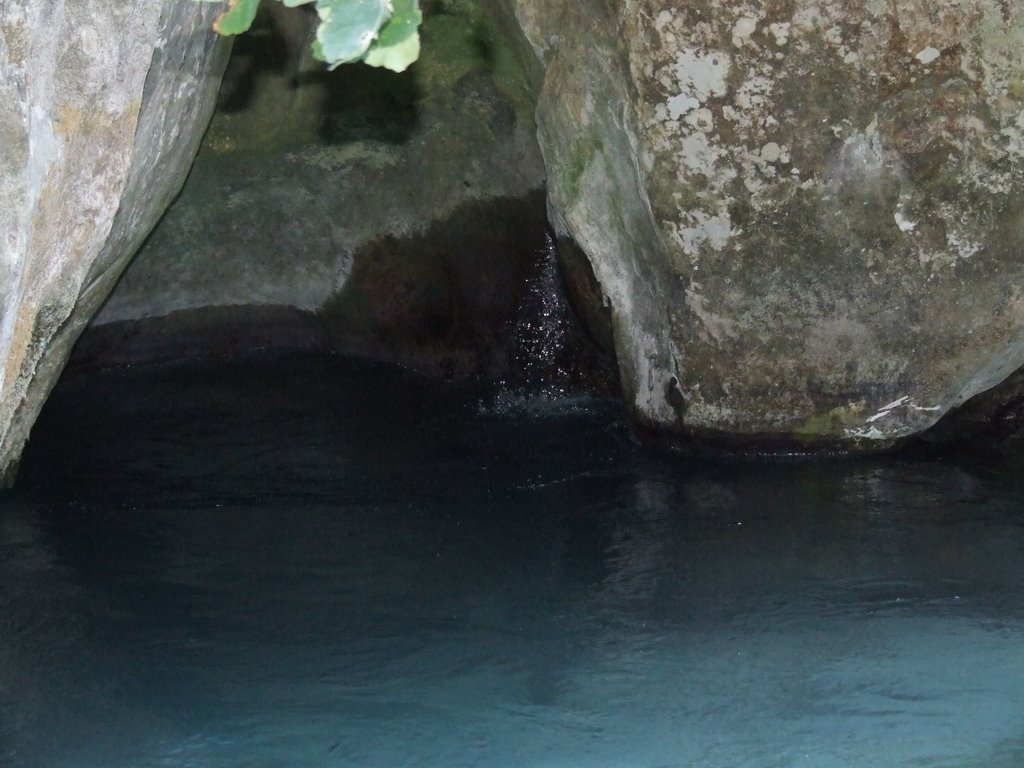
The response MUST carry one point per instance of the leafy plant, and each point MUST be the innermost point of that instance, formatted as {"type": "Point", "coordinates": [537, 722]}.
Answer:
{"type": "Point", "coordinates": [382, 33]}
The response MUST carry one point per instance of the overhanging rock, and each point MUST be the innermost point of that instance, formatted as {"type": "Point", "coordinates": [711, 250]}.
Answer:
{"type": "Point", "coordinates": [102, 106]}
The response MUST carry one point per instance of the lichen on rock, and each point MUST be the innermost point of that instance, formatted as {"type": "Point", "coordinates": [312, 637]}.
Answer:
{"type": "Point", "coordinates": [834, 203]}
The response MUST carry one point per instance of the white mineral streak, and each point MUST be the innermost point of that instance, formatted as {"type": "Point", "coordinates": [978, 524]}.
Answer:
{"type": "Point", "coordinates": [896, 425]}
{"type": "Point", "coordinates": [886, 409]}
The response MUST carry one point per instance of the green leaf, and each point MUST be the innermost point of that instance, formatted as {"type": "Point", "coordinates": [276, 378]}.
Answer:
{"type": "Point", "coordinates": [237, 18]}
{"type": "Point", "coordinates": [348, 27]}
{"type": "Point", "coordinates": [383, 33]}
{"type": "Point", "coordinates": [398, 44]}
{"type": "Point", "coordinates": [318, 51]}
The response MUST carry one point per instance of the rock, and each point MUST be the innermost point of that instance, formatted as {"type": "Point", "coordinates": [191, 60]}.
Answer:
{"type": "Point", "coordinates": [404, 210]}
{"type": "Point", "coordinates": [102, 105]}
{"type": "Point", "coordinates": [807, 218]}
{"type": "Point", "coordinates": [210, 333]}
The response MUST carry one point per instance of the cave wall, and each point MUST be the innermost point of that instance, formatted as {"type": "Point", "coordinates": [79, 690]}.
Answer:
{"type": "Point", "coordinates": [102, 105]}
{"type": "Point", "coordinates": [359, 210]}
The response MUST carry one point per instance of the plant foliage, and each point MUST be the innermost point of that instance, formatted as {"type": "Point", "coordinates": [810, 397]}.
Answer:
{"type": "Point", "coordinates": [383, 33]}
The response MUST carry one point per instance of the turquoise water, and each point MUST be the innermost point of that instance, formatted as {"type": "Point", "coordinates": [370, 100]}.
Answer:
{"type": "Point", "coordinates": [302, 562]}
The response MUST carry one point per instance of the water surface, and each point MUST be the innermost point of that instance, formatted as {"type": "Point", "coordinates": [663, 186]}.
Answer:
{"type": "Point", "coordinates": [320, 562]}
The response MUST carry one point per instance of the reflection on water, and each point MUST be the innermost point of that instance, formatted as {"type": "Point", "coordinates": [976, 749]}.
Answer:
{"type": "Point", "coordinates": [324, 563]}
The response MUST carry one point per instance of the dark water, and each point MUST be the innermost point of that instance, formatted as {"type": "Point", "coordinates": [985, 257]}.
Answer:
{"type": "Point", "coordinates": [325, 563]}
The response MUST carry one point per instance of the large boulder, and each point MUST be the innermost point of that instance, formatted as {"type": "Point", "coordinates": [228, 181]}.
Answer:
{"type": "Point", "coordinates": [102, 106]}
{"type": "Point", "coordinates": [807, 217]}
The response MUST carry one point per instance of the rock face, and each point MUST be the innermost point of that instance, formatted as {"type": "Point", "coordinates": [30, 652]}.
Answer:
{"type": "Point", "coordinates": [102, 105]}
{"type": "Point", "coordinates": [402, 214]}
{"type": "Point", "coordinates": [807, 216]}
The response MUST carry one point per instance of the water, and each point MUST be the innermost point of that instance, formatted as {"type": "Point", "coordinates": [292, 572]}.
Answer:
{"type": "Point", "coordinates": [308, 562]}
{"type": "Point", "coordinates": [541, 333]}
{"type": "Point", "coordinates": [550, 355]}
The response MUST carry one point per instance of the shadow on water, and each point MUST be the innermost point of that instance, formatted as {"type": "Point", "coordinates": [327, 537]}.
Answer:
{"type": "Point", "coordinates": [309, 561]}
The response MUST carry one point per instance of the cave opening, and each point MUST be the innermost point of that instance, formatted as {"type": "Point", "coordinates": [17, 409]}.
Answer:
{"type": "Point", "coordinates": [341, 476]}
{"type": "Point", "coordinates": [395, 216]}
